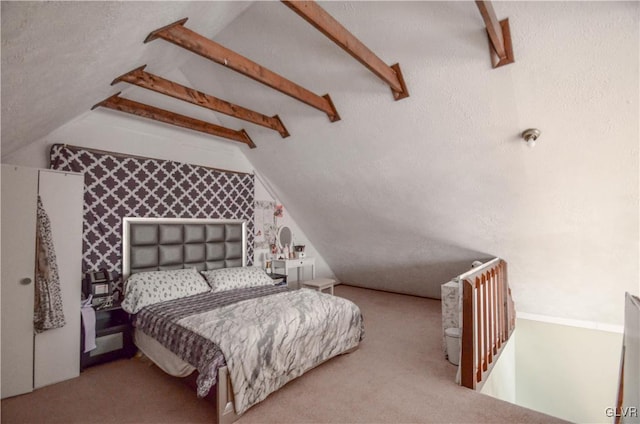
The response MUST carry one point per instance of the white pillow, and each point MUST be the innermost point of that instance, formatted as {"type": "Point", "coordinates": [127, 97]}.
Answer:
{"type": "Point", "coordinates": [148, 288]}
{"type": "Point", "coordinates": [236, 278]}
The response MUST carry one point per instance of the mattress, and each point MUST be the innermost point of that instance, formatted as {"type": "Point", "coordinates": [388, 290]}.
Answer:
{"type": "Point", "coordinates": [166, 360]}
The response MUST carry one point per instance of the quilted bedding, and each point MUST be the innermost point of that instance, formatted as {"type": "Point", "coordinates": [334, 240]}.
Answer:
{"type": "Point", "coordinates": [267, 335]}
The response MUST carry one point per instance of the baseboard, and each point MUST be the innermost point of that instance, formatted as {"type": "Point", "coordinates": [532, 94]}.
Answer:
{"type": "Point", "coordinates": [591, 325]}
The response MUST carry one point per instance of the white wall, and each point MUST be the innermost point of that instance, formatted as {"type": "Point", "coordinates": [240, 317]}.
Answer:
{"type": "Point", "coordinates": [501, 382]}
{"type": "Point", "coordinates": [567, 371]}
{"type": "Point", "coordinates": [322, 269]}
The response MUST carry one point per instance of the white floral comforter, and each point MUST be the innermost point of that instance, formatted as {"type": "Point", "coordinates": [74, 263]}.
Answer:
{"type": "Point", "coordinates": [271, 340]}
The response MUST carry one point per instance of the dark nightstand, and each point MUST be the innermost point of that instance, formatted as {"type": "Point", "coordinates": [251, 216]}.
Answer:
{"type": "Point", "coordinates": [114, 338]}
{"type": "Point", "coordinates": [278, 279]}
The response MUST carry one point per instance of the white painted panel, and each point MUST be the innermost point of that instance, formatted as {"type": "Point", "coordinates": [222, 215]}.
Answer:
{"type": "Point", "coordinates": [501, 383]}
{"type": "Point", "coordinates": [565, 371]}
{"type": "Point", "coordinates": [57, 351]}
{"type": "Point", "coordinates": [18, 259]}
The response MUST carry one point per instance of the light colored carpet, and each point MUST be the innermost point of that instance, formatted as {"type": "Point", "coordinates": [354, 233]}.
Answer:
{"type": "Point", "coordinates": [398, 374]}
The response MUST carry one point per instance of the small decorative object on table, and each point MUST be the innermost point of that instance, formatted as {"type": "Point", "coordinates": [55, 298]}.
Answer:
{"type": "Point", "coordinates": [299, 251]}
{"type": "Point", "coordinates": [97, 284]}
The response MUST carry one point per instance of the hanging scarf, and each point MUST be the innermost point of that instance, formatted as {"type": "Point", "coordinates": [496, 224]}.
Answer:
{"type": "Point", "coordinates": [48, 311]}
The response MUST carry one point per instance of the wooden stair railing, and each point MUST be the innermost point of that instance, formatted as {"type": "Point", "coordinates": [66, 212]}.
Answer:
{"type": "Point", "coordinates": [488, 320]}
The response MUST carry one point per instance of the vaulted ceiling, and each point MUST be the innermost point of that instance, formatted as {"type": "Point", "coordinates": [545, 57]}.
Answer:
{"type": "Point", "coordinates": [399, 195]}
{"type": "Point", "coordinates": [58, 58]}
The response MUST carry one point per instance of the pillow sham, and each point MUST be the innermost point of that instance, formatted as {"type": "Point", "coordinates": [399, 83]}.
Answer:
{"type": "Point", "coordinates": [147, 288]}
{"type": "Point", "coordinates": [236, 278]}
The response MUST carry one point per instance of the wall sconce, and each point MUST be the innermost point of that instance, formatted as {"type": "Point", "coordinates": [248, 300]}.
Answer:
{"type": "Point", "coordinates": [530, 136]}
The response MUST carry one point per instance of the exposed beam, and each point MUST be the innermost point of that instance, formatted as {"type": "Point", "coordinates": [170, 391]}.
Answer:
{"type": "Point", "coordinates": [116, 102]}
{"type": "Point", "coordinates": [499, 35]}
{"type": "Point", "coordinates": [311, 12]}
{"type": "Point", "coordinates": [152, 82]}
{"type": "Point", "coordinates": [177, 34]}
{"type": "Point", "coordinates": [493, 27]}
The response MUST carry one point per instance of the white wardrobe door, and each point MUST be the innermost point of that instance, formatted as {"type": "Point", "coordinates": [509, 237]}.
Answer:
{"type": "Point", "coordinates": [57, 351]}
{"type": "Point", "coordinates": [19, 187]}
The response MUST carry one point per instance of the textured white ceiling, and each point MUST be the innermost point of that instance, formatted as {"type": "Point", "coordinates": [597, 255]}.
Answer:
{"type": "Point", "coordinates": [403, 195]}
{"type": "Point", "coordinates": [59, 58]}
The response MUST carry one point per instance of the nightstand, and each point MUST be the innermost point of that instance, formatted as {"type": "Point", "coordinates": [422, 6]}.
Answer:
{"type": "Point", "coordinates": [299, 263]}
{"type": "Point", "coordinates": [114, 338]}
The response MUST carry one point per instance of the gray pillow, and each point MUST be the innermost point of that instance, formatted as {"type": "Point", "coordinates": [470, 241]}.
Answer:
{"type": "Point", "coordinates": [147, 288]}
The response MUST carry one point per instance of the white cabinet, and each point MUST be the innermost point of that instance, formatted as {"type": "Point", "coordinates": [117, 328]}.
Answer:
{"type": "Point", "coordinates": [31, 361]}
{"type": "Point", "coordinates": [19, 190]}
{"type": "Point", "coordinates": [57, 351]}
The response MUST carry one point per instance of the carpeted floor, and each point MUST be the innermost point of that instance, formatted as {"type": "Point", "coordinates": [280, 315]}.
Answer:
{"type": "Point", "coordinates": [397, 375]}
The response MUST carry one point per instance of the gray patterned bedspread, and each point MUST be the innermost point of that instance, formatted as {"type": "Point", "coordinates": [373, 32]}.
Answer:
{"type": "Point", "coordinates": [268, 335]}
{"type": "Point", "coordinates": [160, 321]}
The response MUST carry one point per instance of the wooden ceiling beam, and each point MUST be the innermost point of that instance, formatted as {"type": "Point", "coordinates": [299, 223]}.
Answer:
{"type": "Point", "coordinates": [499, 35]}
{"type": "Point", "coordinates": [116, 102]}
{"type": "Point", "coordinates": [177, 34]}
{"type": "Point", "coordinates": [311, 12]}
{"type": "Point", "coordinates": [152, 82]}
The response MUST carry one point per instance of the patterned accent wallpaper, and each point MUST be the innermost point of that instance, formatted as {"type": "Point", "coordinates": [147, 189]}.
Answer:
{"type": "Point", "coordinates": [117, 186]}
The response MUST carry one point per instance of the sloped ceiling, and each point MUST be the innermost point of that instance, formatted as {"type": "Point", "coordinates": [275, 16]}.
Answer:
{"type": "Point", "coordinates": [58, 58]}
{"type": "Point", "coordinates": [403, 195]}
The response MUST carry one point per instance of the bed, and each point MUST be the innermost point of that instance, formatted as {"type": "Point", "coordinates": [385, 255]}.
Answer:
{"type": "Point", "coordinates": [197, 307]}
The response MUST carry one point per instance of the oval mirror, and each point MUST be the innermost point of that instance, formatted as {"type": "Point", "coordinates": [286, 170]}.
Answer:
{"type": "Point", "coordinates": [285, 237]}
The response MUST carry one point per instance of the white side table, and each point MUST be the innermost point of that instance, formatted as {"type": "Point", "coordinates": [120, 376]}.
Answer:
{"type": "Point", "coordinates": [287, 264]}
{"type": "Point", "coordinates": [319, 284]}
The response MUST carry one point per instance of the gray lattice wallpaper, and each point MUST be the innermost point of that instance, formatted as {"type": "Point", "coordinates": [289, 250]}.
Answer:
{"type": "Point", "coordinates": [117, 186]}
